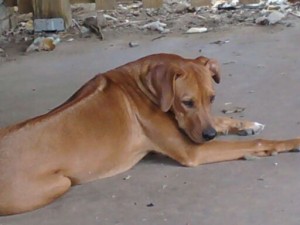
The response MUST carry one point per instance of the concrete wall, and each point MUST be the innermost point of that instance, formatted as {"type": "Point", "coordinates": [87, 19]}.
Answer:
{"type": "Point", "coordinates": [4, 17]}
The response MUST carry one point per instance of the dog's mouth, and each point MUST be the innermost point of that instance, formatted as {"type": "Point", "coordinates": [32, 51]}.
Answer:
{"type": "Point", "coordinates": [191, 137]}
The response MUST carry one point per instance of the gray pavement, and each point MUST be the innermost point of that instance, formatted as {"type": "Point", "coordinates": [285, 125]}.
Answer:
{"type": "Point", "coordinates": [260, 71]}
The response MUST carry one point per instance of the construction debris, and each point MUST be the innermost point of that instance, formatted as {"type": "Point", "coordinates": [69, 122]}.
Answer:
{"type": "Point", "coordinates": [44, 44]}
{"type": "Point", "coordinates": [273, 18]}
{"type": "Point", "coordinates": [157, 25]}
{"type": "Point", "coordinates": [93, 24]}
{"type": "Point", "coordinates": [195, 30]}
{"type": "Point", "coordinates": [174, 16]}
{"type": "Point", "coordinates": [52, 25]}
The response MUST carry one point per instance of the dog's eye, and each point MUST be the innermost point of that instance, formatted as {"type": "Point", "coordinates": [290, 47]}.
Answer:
{"type": "Point", "coordinates": [188, 103]}
{"type": "Point", "coordinates": [212, 99]}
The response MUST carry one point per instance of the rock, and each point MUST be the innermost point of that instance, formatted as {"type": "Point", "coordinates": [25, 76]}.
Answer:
{"type": "Point", "coordinates": [263, 20]}
{"type": "Point", "coordinates": [275, 17]}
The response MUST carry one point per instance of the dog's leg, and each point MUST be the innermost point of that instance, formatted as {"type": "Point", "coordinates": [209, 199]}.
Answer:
{"type": "Point", "coordinates": [218, 151]}
{"type": "Point", "coordinates": [33, 194]}
{"type": "Point", "coordinates": [225, 126]}
{"type": "Point", "coordinates": [173, 143]}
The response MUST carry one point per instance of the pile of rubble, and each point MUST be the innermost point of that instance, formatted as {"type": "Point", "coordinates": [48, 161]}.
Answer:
{"type": "Point", "coordinates": [181, 16]}
{"type": "Point", "coordinates": [173, 17]}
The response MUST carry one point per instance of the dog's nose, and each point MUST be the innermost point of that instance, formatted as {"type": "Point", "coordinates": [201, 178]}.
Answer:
{"type": "Point", "coordinates": [209, 133]}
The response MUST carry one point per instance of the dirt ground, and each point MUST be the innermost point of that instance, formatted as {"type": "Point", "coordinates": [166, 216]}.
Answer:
{"type": "Point", "coordinates": [260, 72]}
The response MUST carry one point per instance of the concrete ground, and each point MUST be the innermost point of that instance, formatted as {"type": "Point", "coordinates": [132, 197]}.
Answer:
{"type": "Point", "coordinates": [260, 71]}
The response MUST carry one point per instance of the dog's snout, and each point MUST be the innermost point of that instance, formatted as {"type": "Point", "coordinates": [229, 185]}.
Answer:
{"type": "Point", "coordinates": [209, 134]}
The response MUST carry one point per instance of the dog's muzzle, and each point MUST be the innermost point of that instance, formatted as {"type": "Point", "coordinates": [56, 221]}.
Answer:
{"type": "Point", "coordinates": [209, 134]}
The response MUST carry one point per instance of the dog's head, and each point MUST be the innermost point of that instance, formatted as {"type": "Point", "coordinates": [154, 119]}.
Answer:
{"type": "Point", "coordinates": [186, 88]}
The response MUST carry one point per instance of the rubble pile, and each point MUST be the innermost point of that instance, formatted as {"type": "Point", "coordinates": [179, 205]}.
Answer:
{"type": "Point", "coordinates": [181, 16]}
{"type": "Point", "coordinates": [173, 17]}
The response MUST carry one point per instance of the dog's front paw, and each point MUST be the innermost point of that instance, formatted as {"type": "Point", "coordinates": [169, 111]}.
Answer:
{"type": "Point", "coordinates": [250, 128]}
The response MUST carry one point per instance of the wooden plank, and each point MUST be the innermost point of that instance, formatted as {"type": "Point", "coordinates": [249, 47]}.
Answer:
{"type": "Point", "coordinates": [152, 3]}
{"type": "Point", "coordinates": [197, 3]}
{"type": "Point", "coordinates": [25, 6]}
{"type": "Point", "coordinates": [105, 4]}
{"type": "Point", "coordinates": [44, 9]}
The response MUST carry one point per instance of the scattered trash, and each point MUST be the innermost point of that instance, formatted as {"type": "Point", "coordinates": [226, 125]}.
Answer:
{"type": "Point", "coordinates": [259, 5]}
{"type": "Point", "coordinates": [175, 16]}
{"type": "Point", "coordinates": [276, 2]}
{"type": "Point", "coordinates": [195, 30]}
{"type": "Point", "coordinates": [260, 179]}
{"type": "Point", "coordinates": [233, 110]}
{"type": "Point", "coordinates": [275, 163]}
{"type": "Point", "coordinates": [157, 25]}
{"type": "Point", "coordinates": [44, 44]}
{"type": "Point", "coordinates": [110, 17]}
{"type": "Point", "coordinates": [127, 177]}
{"type": "Point", "coordinates": [295, 14]}
{"type": "Point", "coordinates": [150, 205]}
{"type": "Point", "coordinates": [133, 44]}
{"type": "Point", "coordinates": [225, 5]}
{"type": "Point", "coordinates": [219, 42]}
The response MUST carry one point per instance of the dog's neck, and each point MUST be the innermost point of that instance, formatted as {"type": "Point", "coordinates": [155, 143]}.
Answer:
{"type": "Point", "coordinates": [138, 73]}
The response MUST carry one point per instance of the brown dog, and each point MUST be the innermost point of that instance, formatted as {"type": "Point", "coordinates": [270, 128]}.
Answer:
{"type": "Point", "coordinates": [160, 102]}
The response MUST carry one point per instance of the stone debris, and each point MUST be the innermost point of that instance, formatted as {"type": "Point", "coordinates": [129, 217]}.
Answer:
{"type": "Point", "coordinates": [173, 17]}
{"type": "Point", "coordinates": [127, 177]}
{"type": "Point", "coordinates": [150, 205]}
{"type": "Point", "coordinates": [220, 42]}
{"type": "Point", "coordinates": [272, 18]}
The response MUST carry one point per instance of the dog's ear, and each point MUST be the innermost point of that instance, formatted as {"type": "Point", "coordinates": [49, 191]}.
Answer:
{"type": "Point", "coordinates": [161, 82]}
{"type": "Point", "coordinates": [212, 65]}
